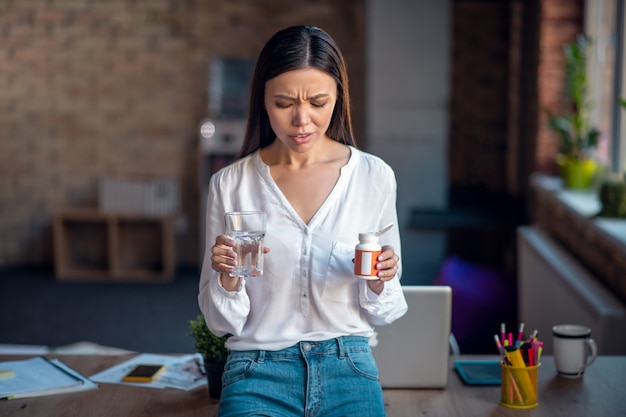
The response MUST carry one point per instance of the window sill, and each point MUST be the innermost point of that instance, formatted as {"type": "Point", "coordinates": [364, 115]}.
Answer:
{"type": "Point", "coordinates": [570, 216]}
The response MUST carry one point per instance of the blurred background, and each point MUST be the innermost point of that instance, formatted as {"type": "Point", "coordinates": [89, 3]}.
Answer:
{"type": "Point", "coordinates": [113, 115]}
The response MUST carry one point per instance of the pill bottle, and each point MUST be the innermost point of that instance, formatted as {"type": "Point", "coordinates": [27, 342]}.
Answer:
{"type": "Point", "coordinates": [366, 256]}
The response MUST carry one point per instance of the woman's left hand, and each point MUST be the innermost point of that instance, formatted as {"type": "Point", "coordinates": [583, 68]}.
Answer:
{"type": "Point", "coordinates": [387, 268]}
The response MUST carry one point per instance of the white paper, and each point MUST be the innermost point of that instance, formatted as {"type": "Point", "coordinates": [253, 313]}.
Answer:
{"type": "Point", "coordinates": [181, 372]}
{"type": "Point", "coordinates": [87, 383]}
{"type": "Point", "coordinates": [12, 349]}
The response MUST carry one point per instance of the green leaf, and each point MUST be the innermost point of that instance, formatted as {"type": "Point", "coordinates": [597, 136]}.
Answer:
{"type": "Point", "coordinates": [210, 346]}
{"type": "Point", "coordinates": [563, 127]}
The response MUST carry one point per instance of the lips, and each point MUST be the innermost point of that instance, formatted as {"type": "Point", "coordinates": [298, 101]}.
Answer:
{"type": "Point", "coordinates": [301, 137]}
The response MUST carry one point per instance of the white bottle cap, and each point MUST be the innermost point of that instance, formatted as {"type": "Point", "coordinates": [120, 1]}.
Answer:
{"type": "Point", "coordinates": [368, 237]}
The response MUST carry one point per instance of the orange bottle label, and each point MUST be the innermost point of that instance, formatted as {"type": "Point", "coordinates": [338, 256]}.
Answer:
{"type": "Point", "coordinates": [365, 262]}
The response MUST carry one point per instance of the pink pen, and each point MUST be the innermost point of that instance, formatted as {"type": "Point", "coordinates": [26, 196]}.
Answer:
{"type": "Point", "coordinates": [510, 339]}
{"type": "Point", "coordinates": [500, 348]}
{"type": "Point", "coordinates": [520, 334]}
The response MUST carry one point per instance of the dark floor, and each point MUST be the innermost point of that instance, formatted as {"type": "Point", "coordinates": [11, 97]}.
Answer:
{"type": "Point", "coordinates": [36, 309]}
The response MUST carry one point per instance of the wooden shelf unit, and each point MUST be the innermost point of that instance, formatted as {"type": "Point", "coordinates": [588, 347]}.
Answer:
{"type": "Point", "coordinates": [90, 245]}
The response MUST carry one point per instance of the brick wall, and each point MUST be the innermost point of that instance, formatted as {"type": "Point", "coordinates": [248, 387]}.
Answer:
{"type": "Point", "coordinates": [561, 22]}
{"type": "Point", "coordinates": [486, 125]}
{"type": "Point", "coordinates": [118, 88]}
{"type": "Point", "coordinates": [480, 76]}
{"type": "Point", "coordinates": [507, 68]}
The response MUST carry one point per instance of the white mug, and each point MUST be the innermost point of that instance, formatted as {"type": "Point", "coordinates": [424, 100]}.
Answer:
{"type": "Point", "coordinates": [574, 349]}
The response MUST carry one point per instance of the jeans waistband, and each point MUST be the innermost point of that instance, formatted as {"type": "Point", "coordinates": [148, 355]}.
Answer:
{"type": "Point", "coordinates": [338, 346]}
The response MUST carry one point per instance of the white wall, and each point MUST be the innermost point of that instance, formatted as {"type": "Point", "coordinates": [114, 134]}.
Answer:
{"type": "Point", "coordinates": [408, 86]}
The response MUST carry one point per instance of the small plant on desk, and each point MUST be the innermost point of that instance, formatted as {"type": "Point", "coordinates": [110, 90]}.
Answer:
{"type": "Point", "coordinates": [213, 352]}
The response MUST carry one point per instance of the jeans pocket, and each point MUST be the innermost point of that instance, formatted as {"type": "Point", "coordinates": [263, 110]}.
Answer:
{"type": "Point", "coordinates": [362, 362]}
{"type": "Point", "coordinates": [236, 369]}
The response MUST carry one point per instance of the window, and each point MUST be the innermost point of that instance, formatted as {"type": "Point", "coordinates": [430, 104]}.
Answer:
{"type": "Point", "coordinates": [604, 24]}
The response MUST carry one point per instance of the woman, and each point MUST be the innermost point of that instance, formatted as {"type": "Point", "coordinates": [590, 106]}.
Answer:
{"type": "Point", "coordinates": [300, 332]}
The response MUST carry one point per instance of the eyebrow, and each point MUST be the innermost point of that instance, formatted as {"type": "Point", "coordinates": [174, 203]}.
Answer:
{"type": "Point", "coordinates": [315, 97]}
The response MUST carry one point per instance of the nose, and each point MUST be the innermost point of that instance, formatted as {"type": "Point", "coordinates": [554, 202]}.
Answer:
{"type": "Point", "coordinates": [300, 116]}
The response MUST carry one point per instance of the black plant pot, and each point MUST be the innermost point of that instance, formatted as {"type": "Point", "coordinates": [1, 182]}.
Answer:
{"type": "Point", "coordinates": [214, 371]}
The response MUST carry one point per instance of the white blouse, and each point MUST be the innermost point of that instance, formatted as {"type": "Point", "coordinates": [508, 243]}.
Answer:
{"type": "Point", "coordinates": [308, 290]}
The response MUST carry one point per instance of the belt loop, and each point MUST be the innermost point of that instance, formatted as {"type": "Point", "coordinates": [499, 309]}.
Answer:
{"type": "Point", "coordinates": [340, 347]}
{"type": "Point", "coordinates": [261, 357]}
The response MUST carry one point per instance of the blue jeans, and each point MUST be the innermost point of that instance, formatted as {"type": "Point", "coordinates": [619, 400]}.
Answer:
{"type": "Point", "coordinates": [336, 377]}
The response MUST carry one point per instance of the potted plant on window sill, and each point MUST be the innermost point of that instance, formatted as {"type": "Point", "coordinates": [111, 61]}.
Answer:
{"type": "Point", "coordinates": [578, 140]}
{"type": "Point", "coordinates": [213, 352]}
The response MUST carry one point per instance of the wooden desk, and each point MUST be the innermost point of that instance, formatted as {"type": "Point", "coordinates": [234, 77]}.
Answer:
{"type": "Point", "coordinates": [600, 393]}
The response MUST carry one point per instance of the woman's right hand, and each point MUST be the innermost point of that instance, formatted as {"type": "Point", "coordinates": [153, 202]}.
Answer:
{"type": "Point", "coordinates": [224, 259]}
{"type": "Point", "coordinates": [222, 255]}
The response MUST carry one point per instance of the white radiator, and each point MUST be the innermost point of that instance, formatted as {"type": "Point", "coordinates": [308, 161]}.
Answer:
{"type": "Point", "coordinates": [554, 288]}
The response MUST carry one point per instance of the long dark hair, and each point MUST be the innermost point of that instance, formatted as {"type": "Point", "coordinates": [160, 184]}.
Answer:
{"type": "Point", "coordinates": [297, 47]}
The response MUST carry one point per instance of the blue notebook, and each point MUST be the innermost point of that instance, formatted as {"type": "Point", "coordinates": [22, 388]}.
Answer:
{"type": "Point", "coordinates": [479, 372]}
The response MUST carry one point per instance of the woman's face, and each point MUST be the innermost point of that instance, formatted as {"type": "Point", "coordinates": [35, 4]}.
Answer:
{"type": "Point", "coordinates": [300, 104]}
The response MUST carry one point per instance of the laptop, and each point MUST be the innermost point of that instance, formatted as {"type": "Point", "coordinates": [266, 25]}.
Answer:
{"type": "Point", "coordinates": [414, 351]}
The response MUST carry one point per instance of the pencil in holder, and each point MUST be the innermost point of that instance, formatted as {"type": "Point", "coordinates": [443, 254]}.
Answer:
{"type": "Point", "coordinates": [519, 386]}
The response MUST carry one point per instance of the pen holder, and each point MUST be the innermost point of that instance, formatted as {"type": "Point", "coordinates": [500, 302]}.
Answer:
{"type": "Point", "coordinates": [519, 386]}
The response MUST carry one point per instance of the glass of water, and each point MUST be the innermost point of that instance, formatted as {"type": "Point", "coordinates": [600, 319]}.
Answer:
{"type": "Point", "coordinates": [247, 229]}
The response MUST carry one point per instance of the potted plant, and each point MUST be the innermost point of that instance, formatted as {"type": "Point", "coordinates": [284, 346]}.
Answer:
{"type": "Point", "coordinates": [213, 352]}
{"type": "Point", "coordinates": [612, 196]}
{"type": "Point", "coordinates": [578, 139]}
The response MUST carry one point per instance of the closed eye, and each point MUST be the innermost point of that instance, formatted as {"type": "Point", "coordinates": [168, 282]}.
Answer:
{"type": "Point", "coordinates": [282, 105]}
